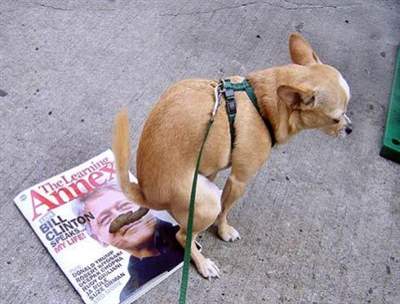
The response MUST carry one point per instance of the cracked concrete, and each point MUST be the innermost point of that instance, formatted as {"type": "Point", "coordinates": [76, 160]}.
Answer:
{"type": "Point", "coordinates": [319, 224]}
{"type": "Point", "coordinates": [292, 6]}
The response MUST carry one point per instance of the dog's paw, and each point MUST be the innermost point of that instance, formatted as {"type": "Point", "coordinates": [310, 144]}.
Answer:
{"type": "Point", "coordinates": [228, 233]}
{"type": "Point", "coordinates": [208, 269]}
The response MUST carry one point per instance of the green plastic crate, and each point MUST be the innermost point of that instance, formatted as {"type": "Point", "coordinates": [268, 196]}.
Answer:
{"type": "Point", "coordinates": [391, 140]}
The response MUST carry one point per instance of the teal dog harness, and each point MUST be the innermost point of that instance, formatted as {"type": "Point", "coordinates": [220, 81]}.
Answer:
{"type": "Point", "coordinates": [228, 89]}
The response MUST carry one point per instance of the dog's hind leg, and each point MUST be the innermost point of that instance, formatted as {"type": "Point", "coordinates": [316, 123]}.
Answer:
{"type": "Point", "coordinates": [207, 208]}
{"type": "Point", "coordinates": [233, 190]}
{"type": "Point", "coordinates": [205, 266]}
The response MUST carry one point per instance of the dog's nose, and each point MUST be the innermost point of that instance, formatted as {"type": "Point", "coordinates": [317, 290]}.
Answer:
{"type": "Point", "coordinates": [349, 129]}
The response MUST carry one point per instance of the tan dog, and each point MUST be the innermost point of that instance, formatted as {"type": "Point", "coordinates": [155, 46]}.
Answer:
{"type": "Point", "coordinates": [303, 95]}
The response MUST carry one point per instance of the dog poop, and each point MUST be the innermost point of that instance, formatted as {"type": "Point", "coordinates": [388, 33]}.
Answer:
{"type": "Point", "coordinates": [127, 218]}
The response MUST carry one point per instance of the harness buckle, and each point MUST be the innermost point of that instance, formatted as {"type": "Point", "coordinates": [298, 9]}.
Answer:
{"type": "Point", "coordinates": [229, 94]}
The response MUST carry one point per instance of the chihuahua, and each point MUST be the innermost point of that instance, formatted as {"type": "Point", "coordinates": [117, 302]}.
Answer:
{"type": "Point", "coordinates": [306, 94]}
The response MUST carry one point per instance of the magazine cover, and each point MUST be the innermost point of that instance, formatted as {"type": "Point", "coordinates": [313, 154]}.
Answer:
{"type": "Point", "coordinates": [72, 212]}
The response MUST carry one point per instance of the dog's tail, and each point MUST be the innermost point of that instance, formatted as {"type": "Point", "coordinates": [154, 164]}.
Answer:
{"type": "Point", "coordinates": [122, 151]}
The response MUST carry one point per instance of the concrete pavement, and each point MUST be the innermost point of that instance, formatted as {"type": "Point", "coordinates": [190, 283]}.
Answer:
{"type": "Point", "coordinates": [319, 224]}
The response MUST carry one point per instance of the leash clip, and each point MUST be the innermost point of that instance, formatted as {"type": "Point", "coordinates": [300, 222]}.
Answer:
{"type": "Point", "coordinates": [218, 90]}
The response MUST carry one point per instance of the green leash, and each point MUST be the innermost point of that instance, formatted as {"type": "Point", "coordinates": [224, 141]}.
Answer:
{"type": "Point", "coordinates": [227, 88]}
{"type": "Point", "coordinates": [189, 230]}
{"type": "Point", "coordinates": [189, 227]}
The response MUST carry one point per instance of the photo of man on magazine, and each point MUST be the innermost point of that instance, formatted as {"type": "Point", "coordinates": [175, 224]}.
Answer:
{"type": "Point", "coordinates": [150, 241]}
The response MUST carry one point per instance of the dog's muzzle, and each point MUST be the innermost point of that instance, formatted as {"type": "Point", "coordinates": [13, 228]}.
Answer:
{"type": "Point", "coordinates": [349, 126]}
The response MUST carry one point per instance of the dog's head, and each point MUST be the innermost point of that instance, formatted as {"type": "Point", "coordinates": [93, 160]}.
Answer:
{"type": "Point", "coordinates": [319, 95]}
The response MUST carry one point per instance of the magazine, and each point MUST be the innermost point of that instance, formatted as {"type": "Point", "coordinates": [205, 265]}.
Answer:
{"type": "Point", "coordinates": [71, 213]}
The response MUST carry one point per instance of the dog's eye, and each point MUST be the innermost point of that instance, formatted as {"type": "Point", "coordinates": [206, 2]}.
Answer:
{"type": "Point", "coordinates": [311, 100]}
{"type": "Point", "coordinates": [336, 121]}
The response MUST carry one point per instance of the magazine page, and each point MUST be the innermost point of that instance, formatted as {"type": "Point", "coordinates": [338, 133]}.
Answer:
{"type": "Point", "coordinates": [71, 213]}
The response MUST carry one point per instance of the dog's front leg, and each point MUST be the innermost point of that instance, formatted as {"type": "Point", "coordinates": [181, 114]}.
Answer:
{"type": "Point", "coordinates": [247, 159]}
{"type": "Point", "coordinates": [233, 190]}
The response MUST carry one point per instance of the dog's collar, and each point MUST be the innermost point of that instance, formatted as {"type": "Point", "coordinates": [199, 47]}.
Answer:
{"type": "Point", "coordinates": [228, 89]}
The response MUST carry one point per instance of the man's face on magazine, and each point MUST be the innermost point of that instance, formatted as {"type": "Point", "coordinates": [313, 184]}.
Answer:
{"type": "Point", "coordinates": [106, 208]}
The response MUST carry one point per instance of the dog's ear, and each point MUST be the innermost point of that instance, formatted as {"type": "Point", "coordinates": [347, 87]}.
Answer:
{"type": "Point", "coordinates": [297, 97]}
{"type": "Point", "coordinates": [301, 51]}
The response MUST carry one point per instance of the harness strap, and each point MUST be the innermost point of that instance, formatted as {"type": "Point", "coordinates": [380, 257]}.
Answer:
{"type": "Point", "coordinates": [229, 91]}
{"type": "Point", "coordinates": [230, 104]}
